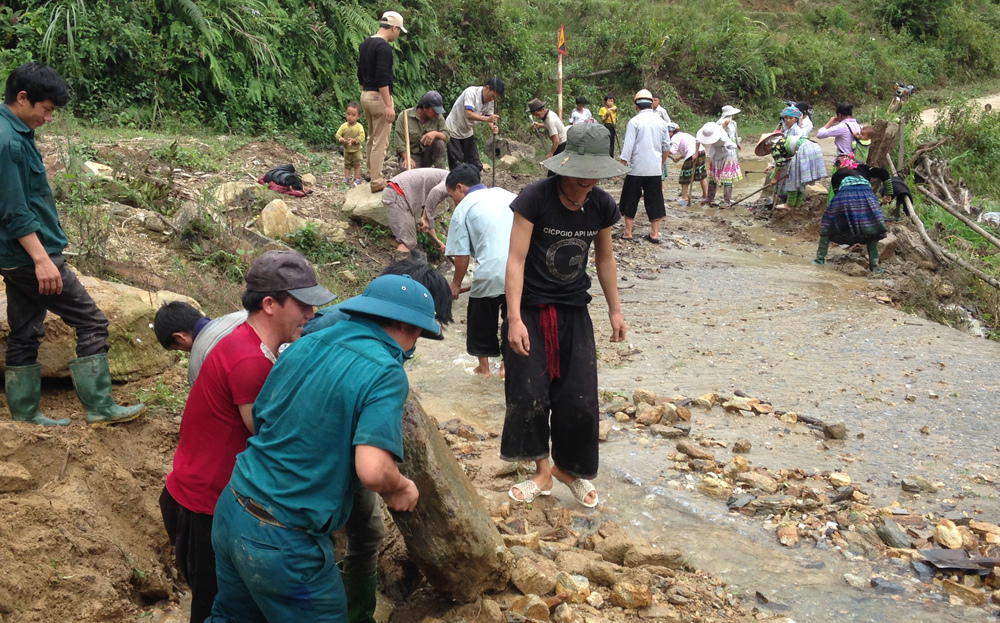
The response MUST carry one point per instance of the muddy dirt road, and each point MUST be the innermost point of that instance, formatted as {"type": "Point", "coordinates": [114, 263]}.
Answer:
{"type": "Point", "coordinates": [723, 314]}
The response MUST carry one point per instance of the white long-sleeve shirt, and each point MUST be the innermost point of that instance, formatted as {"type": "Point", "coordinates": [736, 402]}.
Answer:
{"type": "Point", "coordinates": [646, 138]}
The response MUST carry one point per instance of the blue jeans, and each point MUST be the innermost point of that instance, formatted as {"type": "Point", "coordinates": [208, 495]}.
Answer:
{"type": "Point", "coordinates": [271, 574]}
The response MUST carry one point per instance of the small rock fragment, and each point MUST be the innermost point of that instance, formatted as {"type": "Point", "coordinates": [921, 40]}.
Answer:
{"type": "Point", "coordinates": [530, 607]}
{"type": "Point", "coordinates": [565, 614]}
{"type": "Point", "coordinates": [967, 594]}
{"type": "Point", "coordinates": [534, 577]}
{"type": "Point", "coordinates": [694, 451]}
{"type": "Point", "coordinates": [835, 431]}
{"type": "Point", "coordinates": [716, 488]}
{"type": "Point", "coordinates": [577, 586]}
{"type": "Point", "coordinates": [14, 478]}
{"type": "Point", "coordinates": [644, 556]}
{"type": "Point", "coordinates": [595, 600]}
{"type": "Point", "coordinates": [604, 430]}
{"type": "Point", "coordinates": [683, 414]}
{"type": "Point", "coordinates": [601, 573]}
{"type": "Point", "coordinates": [621, 416]}
{"type": "Point", "coordinates": [644, 395]}
{"type": "Point", "coordinates": [918, 484]}
{"type": "Point", "coordinates": [630, 595]}
{"type": "Point", "coordinates": [788, 534]}
{"type": "Point", "coordinates": [742, 446]}
{"type": "Point", "coordinates": [947, 534]}
{"type": "Point", "coordinates": [855, 581]}
{"type": "Point", "coordinates": [839, 479]}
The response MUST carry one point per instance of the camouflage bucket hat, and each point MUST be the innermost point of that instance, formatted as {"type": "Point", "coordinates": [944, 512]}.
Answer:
{"type": "Point", "coordinates": [586, 155]}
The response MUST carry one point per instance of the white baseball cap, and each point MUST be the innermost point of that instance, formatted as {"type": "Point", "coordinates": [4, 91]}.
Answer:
{"type": "Point", "coordinates": [392, 18]}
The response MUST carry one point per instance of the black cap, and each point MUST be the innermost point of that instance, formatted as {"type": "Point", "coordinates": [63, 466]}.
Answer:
{"type": "Point", "coordinates": [432, 99]}
{"type": "Point", "coordinates": [582, 100]}
{"type": "Point", "coordinates": [288, 271]}
{"type": "Point", "coordinates": [496, 85]}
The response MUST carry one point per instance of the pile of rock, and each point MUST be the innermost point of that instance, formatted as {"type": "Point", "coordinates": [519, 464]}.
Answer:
{"type": "Point", "coordinates": [603, 576]}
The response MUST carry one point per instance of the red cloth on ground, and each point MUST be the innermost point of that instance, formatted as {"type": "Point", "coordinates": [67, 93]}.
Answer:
{"type": "Point", "coordinates": [285, 190]}
{"type": "Point", "coordinates": [212, 430]}
{"type": "Point", "coordinates": [549, 323]}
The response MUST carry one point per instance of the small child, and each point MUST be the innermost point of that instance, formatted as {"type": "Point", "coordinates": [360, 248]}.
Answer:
{"type": "Point", "coordinates": [862, 142]}
{"type": "Point", "coordinates": [581, 114]}
{"type": "Point", "coordinates": [609, 117]}
{"type": "Point", "coordinates": [352, 136]}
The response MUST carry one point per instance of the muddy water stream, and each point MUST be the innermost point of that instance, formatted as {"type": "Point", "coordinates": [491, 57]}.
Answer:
{"type": "Point", "coordinates": [715, 317]}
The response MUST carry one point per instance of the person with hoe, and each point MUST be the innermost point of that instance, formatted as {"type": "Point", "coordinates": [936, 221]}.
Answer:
{"type": "Point", "coordinates": [553, 125]}
{"type": "Point", "coordinates": [376, 79]}
{"type": "Point", "coordinates": [428, 134]}
{"type": "Point", "coordinates": [645, 149]}
{"type": "Point", "coordinates": [474, 106]}
{"type": "Point", "coordinates": [723, 162]}
{"type": "Point", "coordinates": [551, 354]}
{"type": "Point", "coordinates": [684, 148]}
{"type": "Point", "coordinates": [328, 421]}
{"type": "Point", "coordinates": [280, 298]}
{"type": "Point", "coordinates": [480, 228]}
{"type": "Point", "coordinates": [414, 196]}
{"type": "Point", "coordinates": [34, 268]}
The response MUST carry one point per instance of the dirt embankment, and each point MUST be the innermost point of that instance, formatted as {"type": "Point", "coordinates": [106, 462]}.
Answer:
{"type": "Point", "coordinates": [79, 518]}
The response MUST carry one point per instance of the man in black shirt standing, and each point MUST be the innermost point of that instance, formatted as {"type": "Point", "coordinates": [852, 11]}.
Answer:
{"type": "Point", "coordinates": [375, 76]}
{"type": "Point", "coordinates": [550, 352]}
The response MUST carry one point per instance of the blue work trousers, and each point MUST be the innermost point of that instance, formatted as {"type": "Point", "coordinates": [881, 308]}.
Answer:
{"type": "Point", "coordinates": [267, 573]}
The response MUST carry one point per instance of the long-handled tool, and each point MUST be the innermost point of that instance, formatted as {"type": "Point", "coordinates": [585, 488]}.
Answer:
{"type": "Point", "coordinates": [406, 131]}
{"type": "Point", "coordinates": [493, 156]}
{"type": "Point", "coordinates": [742, 199]}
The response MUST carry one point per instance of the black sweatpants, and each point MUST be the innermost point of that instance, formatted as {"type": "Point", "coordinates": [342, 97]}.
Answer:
{"type": "Point", "coordinates": [565, 408]}
{"type": "Point", "coordinates": [650, 188]}
{"type": "Point", "coordinates": [191, 535]}
{"type": "Point", "coordinates": [482, 320]}
{"type": "Point", "coordinates": [26, 310]}
{"type": "Point", "coordinates": [613, 131]}
{"type": "Point", "coordinates": [559, 150]}
{"type": "Point", "coordinates": [463, 150]}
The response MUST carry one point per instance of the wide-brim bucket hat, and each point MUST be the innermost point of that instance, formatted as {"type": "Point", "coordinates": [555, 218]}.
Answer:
{"type": "Point", "coordinates": [397, 297]}
{"type": "Point", "coordinates": [586, 155]}
{"type": "Point", "coordinates": [710, 133]}
{"type": "Point", "coordinates": [729, 111]}
{"type": "Point", "coordinates": [763, 147]}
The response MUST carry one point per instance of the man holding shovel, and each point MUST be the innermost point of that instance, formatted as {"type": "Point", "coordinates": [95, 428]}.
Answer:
{"type": "Point", "coordinates": [425, 132]}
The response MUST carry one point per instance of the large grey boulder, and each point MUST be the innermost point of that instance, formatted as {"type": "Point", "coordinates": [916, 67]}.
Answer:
{"type": "Point", "coordinates": [362, 205]}
{"type": "Point", "coordinates": [450, 536]}
{"type": "Point", "coordinates": [134, 354]}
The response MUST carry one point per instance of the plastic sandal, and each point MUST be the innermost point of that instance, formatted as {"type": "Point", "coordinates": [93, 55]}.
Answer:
{"type": "Point", "coordinates": [581, 488]}
{"type": "Point", "coordinates": [529, 490]}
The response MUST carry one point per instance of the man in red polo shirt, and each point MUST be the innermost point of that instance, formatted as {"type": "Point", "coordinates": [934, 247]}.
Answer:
{"type": "Point", "coordinates": [280, 298]}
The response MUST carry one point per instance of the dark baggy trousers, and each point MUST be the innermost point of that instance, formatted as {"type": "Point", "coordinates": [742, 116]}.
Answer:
{"type": "Point", "coordinates": [482, 320]}
{"type": "Point", "coordinates": [650, 188]}
{"type": "Point", "coordinates": [191, 535]}
{"type": "Point", "coordinates": [430, 155]}
{"type": "Point", "coordinates": [564, 408]}
{"type": "Point", "coordinates": [26, 310]}
{"type": "Point", "coordinates": [463, 150]}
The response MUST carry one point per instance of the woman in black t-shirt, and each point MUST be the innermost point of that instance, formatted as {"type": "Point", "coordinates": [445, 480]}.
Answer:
{"type": "Point", "coordinates": [549, 350]}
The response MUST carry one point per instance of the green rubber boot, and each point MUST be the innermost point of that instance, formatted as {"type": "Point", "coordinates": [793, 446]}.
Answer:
{"type": "Point", "coordinates": [824, 246]}
{"type": "Point", "coordinates": [24, 393]}
{"type": "Point", "coordinates": [360, 589]}
{"type": "Point", "coordinates": [92, 380]}
{"type": "Point", "coordinates": [873, 266]}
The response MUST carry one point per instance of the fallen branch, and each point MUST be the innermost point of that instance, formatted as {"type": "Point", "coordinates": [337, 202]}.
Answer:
{"type": "Point", "coordinates": [936, 250]}
{"type": "Point", "coordinates": [950, 210]}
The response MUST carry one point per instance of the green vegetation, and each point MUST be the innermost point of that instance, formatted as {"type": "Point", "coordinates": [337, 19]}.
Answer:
{"type": "Point", "coordinates": [269, 66]}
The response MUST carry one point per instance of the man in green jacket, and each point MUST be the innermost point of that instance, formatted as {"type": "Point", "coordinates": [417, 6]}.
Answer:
{"type": "Point", "coordinates": [34, 269]}
{"type": "Point", "coordinates": [428, 134]}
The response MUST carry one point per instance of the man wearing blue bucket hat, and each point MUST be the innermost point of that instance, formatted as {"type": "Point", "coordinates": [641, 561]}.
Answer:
{"type": "Point", "coordinates": [328, 421]}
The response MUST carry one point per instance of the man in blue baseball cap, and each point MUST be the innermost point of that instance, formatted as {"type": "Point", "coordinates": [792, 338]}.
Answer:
{"type": "Point", "coordinates": [328, 421]}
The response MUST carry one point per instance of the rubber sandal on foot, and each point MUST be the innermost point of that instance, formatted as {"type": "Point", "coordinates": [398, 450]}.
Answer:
{"type": "Point", "coordinates": [581, 488]}
{"type": "Point", "coordinates": [529, 490]}
{"type": "Point", "coordinates": [651, 239]}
